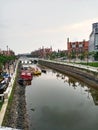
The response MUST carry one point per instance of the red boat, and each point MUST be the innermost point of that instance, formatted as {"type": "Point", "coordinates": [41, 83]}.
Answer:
{"type": "Point", "coordinates": [25, 75]}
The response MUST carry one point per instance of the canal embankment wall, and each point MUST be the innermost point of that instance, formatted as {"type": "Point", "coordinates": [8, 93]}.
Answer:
{"type": "Point", "coordinates": [87, 74]}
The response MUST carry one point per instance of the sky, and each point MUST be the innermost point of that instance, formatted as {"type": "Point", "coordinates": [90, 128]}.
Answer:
{"type": "Point", "coordinates": [28, 25]}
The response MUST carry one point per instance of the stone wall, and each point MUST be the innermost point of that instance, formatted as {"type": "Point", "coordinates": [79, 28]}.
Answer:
{"type": "Point", "coordinates": [85, 75]}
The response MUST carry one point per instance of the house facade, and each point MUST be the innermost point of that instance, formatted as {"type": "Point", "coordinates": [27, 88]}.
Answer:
{"type": "Point", "coordinates": [7, 53]}
{"type": "Point", "coordinates": [42, 52]}
{"type": "Point", "coordinates": [77, 47]}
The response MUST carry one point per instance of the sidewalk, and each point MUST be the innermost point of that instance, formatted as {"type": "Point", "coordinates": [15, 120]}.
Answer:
{"type": "Point", "coordinates": [2, 112]}
{"type": "Point", "coordinates": [87, 67]}
{"type": "Point", "coordinates": [8, 92]}
{"type": "Point", "coordinates": [7, 128]}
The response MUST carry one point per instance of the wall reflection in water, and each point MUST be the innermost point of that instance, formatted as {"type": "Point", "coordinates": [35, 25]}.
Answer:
{"type": "Point", "coordinates": [75, 83]}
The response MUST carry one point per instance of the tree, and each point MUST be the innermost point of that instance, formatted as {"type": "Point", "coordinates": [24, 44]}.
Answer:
{"type": "Point", "coordinates": [96, 56]}
{"type": "Point", "coordinates": [6, 59]}
{"type": "Point", "coordinates": [53, 55]}
{"type": "Point", "coordinates": [81, 56]}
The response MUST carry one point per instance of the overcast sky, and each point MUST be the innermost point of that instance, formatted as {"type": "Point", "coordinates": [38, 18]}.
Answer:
{"type": "Point", "coordinates": [27, 25]}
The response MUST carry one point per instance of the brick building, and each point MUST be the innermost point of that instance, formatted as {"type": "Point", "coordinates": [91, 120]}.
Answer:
{"type": "Point", "coordinates": [7, 53]}
{"type": "Point", "coordinates": [42, 52]}
{"type": "Point", "coordinates": [78, 47]}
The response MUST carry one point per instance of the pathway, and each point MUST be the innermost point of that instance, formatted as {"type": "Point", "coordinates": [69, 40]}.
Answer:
{"type": "Point", "coordinates": [8, 92]}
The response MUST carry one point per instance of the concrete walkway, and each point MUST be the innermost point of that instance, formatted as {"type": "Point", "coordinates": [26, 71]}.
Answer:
{"type": "Point", "coordinates": [8, 92]}
{"type": "Point", "coordinates": [7, 128]}
{"type": "Point", "coordinates": [87, 67]}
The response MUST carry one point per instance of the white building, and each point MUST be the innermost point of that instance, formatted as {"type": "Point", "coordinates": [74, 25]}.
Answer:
{"type": "Point", "coordinates": [93, 39]}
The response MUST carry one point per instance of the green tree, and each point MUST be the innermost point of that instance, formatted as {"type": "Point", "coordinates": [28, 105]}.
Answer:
{"type": "Point", "coordinates": [96, 56]}
{"type": "Point", "coordinates": [53, 55]}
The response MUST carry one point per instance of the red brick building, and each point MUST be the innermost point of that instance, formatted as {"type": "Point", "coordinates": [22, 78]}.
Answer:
{"type": "Point", "coordinates": [7, 53]}
{"type": "Point", "coordinates": [77, 47]}
{"type": "Point", "coordinates": [42, 52]}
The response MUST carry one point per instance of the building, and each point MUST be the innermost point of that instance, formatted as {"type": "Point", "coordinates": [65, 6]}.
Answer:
{"type": "Point", "coordinates": [7, 53]}
{"type": "Point", "coordinates": [77, 47]}
{"type": "Point", "coordinates": [42, 52]}
{"type": "Point", "coordinates": [93, 38]}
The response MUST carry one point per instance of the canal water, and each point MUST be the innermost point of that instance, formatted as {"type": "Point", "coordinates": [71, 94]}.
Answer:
{"type": "Point", "coordinates": [58, 102]}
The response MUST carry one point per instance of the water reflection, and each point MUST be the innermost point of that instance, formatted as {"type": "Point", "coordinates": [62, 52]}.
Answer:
{"type": "Point", "coordinates": [62, 119]}
{"type": "Point", "coordinates": [94, 94]}
{"type": "Point", "coordinates": [75, 83]}
{"type": "Point", "coordinates": [70, 80]}
{"type": "Point", "coordinates": [60, 102]}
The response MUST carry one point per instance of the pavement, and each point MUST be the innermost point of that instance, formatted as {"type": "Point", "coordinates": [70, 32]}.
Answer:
{"type": "Point", "coordinates": [87, 67]}
{"type": "Point", "coordinates": [7, 128]}
{"type": "Point", "coordinates": [2, 112]}
{"type": "Point", "coordinates": [7, 93]}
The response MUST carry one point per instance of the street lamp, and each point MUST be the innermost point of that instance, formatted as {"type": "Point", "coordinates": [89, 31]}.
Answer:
{"type": "Point", "coordinates": [7, 49]}
{"type": "Point", "coordinates": [87, 58]}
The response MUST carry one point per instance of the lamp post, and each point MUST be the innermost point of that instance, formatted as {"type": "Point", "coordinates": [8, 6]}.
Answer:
{"type": "Point", "coordinates": [7, 49]}
{"type": "Point", "coordinates": [87, 58]}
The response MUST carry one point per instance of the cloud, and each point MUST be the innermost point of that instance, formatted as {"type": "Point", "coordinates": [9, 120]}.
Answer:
{"type": "Point", "coordinates": [76, 31]}
{"type": "Point", "coordinates": [80, 30]}
{"type": "Point", "coordinates": [74, 26]}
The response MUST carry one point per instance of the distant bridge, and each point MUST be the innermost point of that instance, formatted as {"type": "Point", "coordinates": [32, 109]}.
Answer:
{"type": "Point", "coordinates": [26, 60]}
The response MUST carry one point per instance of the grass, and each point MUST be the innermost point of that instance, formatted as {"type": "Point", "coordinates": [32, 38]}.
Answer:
{"type": "Point", "coordinates": [94, 64]}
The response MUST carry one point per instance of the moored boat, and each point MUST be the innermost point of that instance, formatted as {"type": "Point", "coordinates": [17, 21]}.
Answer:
{"type": "Point", "coordinates": [21, 81]}
{"type": "Point", "coordinates": [36, 71]}
{"type": "Point", "coordinates": [33, 69]}
{"type": "Point", "coordinates": [43, 70]}
{"type": "Point", "coordinates": [26, 75]}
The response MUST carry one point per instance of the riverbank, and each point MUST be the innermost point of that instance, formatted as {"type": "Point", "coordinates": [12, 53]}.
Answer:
{"type": "Point", "coordinates": [87, 74]}
{"type": "Point", "coordinates": [16, 114]}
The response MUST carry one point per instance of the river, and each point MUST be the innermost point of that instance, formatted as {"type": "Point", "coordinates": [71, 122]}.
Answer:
{"type": "Point", "coordinates": [58, 102]}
